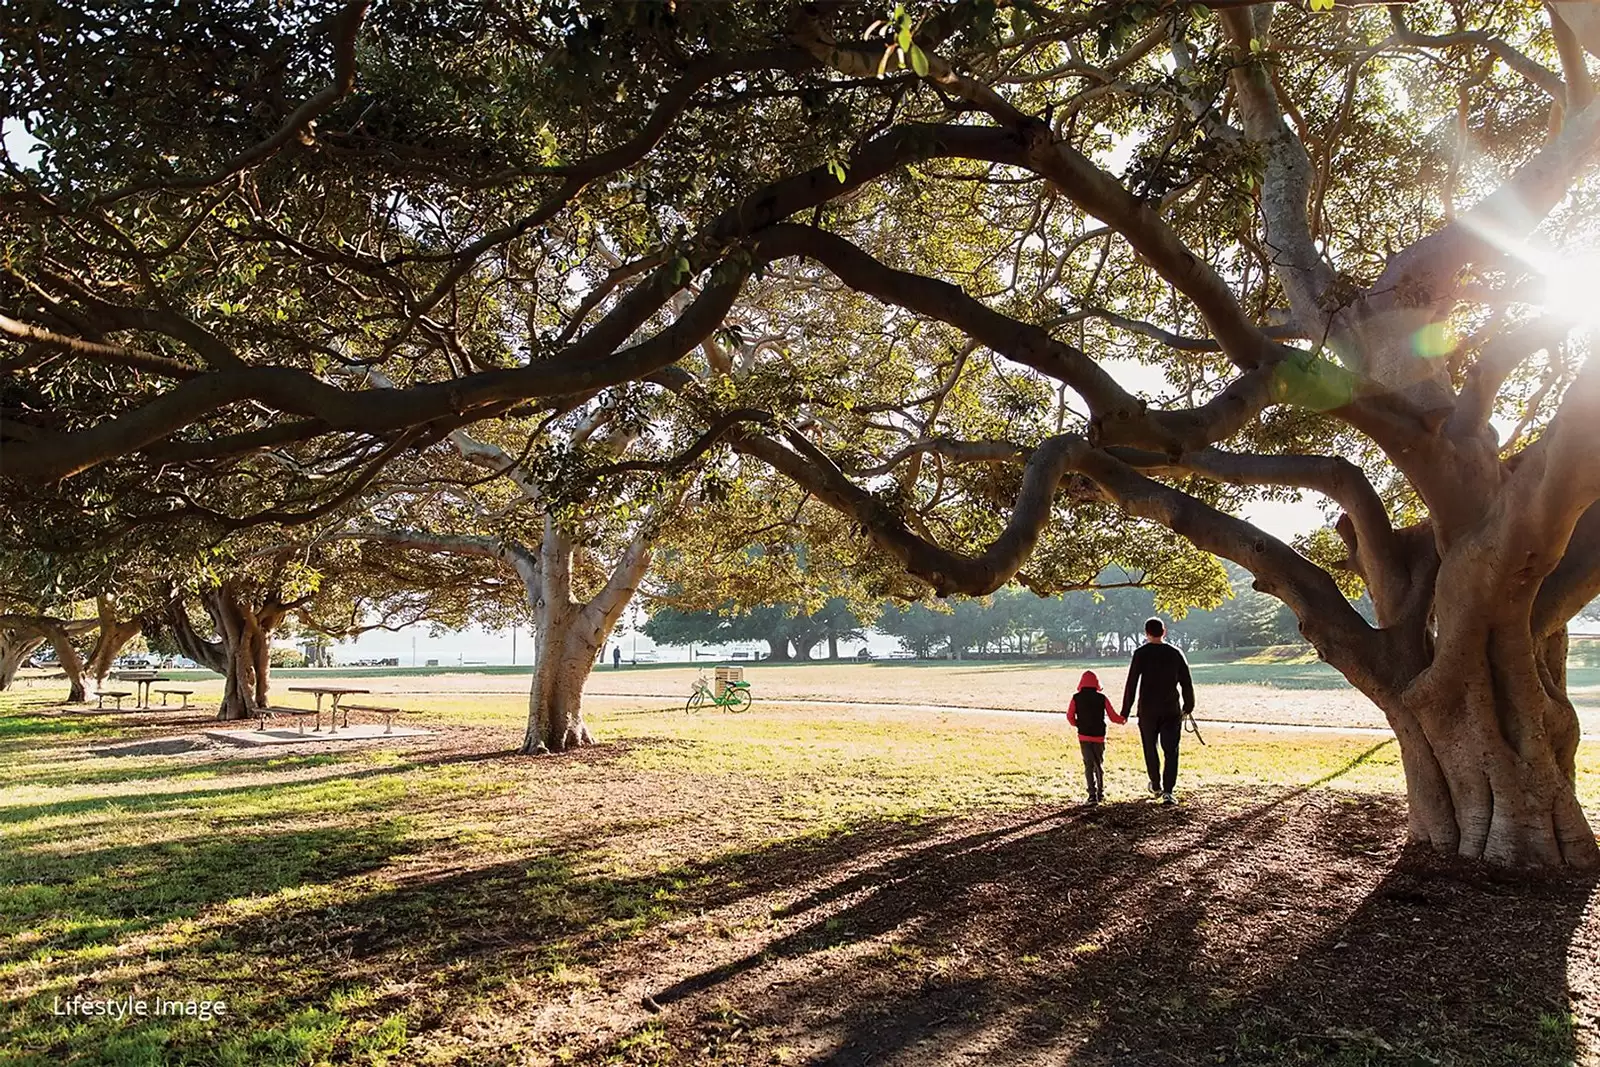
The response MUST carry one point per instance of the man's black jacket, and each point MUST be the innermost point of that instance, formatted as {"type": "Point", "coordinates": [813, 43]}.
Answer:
{"type": "Point", "coordinates": [1158, 672]}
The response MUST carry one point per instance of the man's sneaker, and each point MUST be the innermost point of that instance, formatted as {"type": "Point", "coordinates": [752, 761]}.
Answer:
{"type": "Point", "coordinates": [1166, 800]}
{"type": "Point", "coordinates": [1155, 790]}
{"type": "Point", "coordinates": [1093, 800]}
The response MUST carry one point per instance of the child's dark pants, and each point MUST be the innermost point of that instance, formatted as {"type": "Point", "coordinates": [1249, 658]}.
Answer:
{"type": "Point", "coordinates": [1094, 758]}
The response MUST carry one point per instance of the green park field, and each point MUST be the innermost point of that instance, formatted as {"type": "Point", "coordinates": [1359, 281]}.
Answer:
{"type": "Point", "coordinates": [855, 871]}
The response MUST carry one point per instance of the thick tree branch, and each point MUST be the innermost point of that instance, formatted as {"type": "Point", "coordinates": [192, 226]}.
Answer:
{"type": "Point", "coordinates": [1536, 73]}
{"type": "Point", "coordinates": [1426, 271]}
{"type": "Point", "coordinates": [591, 363]}
{"type": "Point", "coordinates": [1118, 416]}
{"type": "Point", "coordinates": [118, 355]}
{"type": "Point", "coordinates": [1326, 618]}
{"type": "Point", "coordinates": [1286, 186]}
{"type": "Point", "coordinates": [578, 176]}
{"type": "Point", "coordinates": [948, 572]}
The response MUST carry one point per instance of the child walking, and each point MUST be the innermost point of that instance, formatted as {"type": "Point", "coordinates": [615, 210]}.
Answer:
{"type": "Point", "coordinates": [1088, 711]}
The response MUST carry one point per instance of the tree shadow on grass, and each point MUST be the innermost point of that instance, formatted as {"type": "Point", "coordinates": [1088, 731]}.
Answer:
{"type": "Point", "coordinates": [68, 772]}
{"type": "Point", "coordinates": [106, 923]}
{"type": "Point", "coordinates": [27, 729]}
{"type": "Point", "coordinates": [459, 933]}
{"type": "Point", "coordinates": [342, 772]}
{"type": "Point", "coordinates": [54, 902]}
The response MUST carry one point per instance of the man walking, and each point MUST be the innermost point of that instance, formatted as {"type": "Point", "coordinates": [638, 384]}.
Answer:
{"type": "Point", "coordinates": [1158, 672]}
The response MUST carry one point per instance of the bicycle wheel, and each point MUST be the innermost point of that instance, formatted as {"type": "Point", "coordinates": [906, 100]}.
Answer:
{"type": "Point", "coordinates": [737, 700]}
{"type": "Point", "coordinates": [696, 699]}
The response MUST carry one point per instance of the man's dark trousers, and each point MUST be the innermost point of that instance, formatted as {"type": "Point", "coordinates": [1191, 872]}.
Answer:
{"type": "Point", "coordinates": [1166, 727]}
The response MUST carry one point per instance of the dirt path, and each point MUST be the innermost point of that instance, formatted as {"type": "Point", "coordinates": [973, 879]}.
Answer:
{"type": "Point", "coordinates": [1205, 722]}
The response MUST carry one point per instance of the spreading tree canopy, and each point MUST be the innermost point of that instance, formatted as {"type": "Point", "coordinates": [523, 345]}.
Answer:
{"type": "Point", "coordinates": [989, 279]}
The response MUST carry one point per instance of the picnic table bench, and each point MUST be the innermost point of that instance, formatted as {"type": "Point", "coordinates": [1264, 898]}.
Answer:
{"type": "Point", "coordinates": [334, 691]}
{"type": "Point", "coordinates": [141, 681]}
{"type": "Point", "coordinates": [184, 693]}
{"type": "Point", "coordinates": [115, 694]}
{"type": "Point", "coordinates": [267, 711]}
{"type": "Point", "coordinates": [375, 709]}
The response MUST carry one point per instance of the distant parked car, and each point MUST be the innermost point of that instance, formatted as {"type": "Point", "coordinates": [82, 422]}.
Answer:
{"type": "Point", "coordinates": [135, 663]}
{"type": "Point", "coordinates": [864, 654]}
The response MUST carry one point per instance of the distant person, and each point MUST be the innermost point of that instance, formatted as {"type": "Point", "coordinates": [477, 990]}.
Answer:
{"type": "Point", "coordinates": [1087, 710]}
{"type": "Point", "coordinates": [1158, 672]}
{"type": "Point", "coordinates": [616, 657]}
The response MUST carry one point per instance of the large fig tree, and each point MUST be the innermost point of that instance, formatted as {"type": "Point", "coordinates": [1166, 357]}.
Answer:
{"type": "Point", "coordinates": [1194, 254]}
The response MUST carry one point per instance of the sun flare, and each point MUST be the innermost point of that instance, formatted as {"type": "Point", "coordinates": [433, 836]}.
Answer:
{"type": "Point", "coordinates": [1572, 287]}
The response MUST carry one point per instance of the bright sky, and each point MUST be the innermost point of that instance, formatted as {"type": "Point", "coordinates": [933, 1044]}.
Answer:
{"type": "Point", "coordinates": [18, 145]}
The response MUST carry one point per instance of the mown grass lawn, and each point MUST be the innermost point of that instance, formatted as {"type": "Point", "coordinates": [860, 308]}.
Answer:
{"type": "Point", "coordinates": [769, 887]}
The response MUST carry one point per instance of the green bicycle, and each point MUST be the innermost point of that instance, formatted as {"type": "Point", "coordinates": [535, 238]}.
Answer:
{"type": "Point", "coordinates": [735, 696]}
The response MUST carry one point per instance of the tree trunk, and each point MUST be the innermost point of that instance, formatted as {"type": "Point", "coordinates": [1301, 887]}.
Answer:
{"type": "Point", "coordinates": [804, 641]}
{"type": "Point", "coordinates": [240, 654]}
{"type": "Point", "coordinates": [1488, 739]}
{"type": "Point", "coordinates": [15, 648]}
{"type": "Point", "coordinates": [833, 645]}
{"type": "Point", "coordinates": [237, 656]}
{"type": "Point", "coordinates": [563, 658]}
{"type": "Point", "coordinates": [114, 635]}
{"type": "Point", "coordinates": [71, 663]}
{"type": "Point", "coordinates": [779, 646]}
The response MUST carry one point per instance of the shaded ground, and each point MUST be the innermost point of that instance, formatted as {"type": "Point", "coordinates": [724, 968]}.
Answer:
{"type": "Point", "coordinates": [778, 887]}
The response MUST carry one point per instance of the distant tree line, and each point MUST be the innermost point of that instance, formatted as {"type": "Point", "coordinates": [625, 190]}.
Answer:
{"type": "Point", "coordinates": [1012, 621]}
{"type": "Point", "coordinates": [790, 631]}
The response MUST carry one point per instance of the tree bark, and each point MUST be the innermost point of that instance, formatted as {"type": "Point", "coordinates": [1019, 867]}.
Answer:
{"type": "Point", "coordinates": [1488, 739]}
{"type": "Point", "coordinates": [114, 635]}
{"type": "Point", "coordinates": [71, 662]}
{"type": "Point", "coordinates": [239, 653]}
{"type": "Point", "coordinates": [15, 648]}
{"type": "Point", "coordinates": [563, 658]}
{"type": "Point", "coordinates": [244, 652]}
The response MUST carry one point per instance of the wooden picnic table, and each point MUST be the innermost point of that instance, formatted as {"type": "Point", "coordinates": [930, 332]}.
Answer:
{"type": "Point", "coordinates": [141, 681]}
{"type": "Point", "coordinates": [334, 691]}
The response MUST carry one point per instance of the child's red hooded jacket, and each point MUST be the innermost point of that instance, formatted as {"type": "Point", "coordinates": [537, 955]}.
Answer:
{"type": "Point", "coordinates": [1089, 708]}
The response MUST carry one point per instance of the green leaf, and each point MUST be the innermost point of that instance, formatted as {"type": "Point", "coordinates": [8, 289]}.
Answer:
{"type": "Point", "coordinates": [1322, 5]}
{"type": "Point", "coordinates": [919, 61]}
